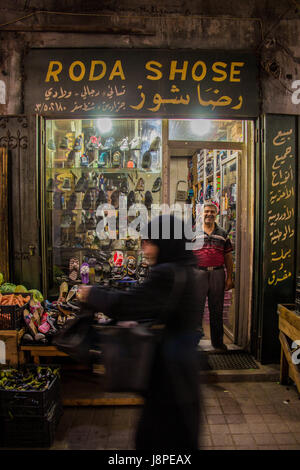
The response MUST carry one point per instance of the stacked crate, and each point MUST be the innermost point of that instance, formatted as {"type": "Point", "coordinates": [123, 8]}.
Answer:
{"type": "Point", "coordinates": [28, 418]}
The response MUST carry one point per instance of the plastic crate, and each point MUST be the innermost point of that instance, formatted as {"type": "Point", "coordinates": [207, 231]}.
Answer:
{"type": "Point", "coordinates": [30, 402]}
{"type": "Point", "coordinates": [11, 316]}
{"type": "Point", "coordinates": [25, 431]}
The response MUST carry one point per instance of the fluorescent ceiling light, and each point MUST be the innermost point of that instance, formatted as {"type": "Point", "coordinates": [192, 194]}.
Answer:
{"type": "Point", "coordinates": [201, 126]}
{"type": "Point", "coordinates": [104, 125]}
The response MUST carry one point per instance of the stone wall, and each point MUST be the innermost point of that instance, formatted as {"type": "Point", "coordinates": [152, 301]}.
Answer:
{"type": "Point", "coordinates": [268, 28]}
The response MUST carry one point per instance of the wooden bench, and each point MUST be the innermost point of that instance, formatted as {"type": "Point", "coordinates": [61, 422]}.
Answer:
{"type": "Point", "coordinates": [42, 351]}
{"type": "Point", "coordinates": [289, 330]}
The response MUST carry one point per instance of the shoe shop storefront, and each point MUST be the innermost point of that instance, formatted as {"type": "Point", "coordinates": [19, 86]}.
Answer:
{"type": "Point", "coordinates": [161, 127]}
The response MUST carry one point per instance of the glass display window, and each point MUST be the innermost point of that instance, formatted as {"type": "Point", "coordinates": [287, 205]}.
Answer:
{"type": "Point", "coordinates": [206, 130]}
{"type": "Point", "coordinates": [90, 163]}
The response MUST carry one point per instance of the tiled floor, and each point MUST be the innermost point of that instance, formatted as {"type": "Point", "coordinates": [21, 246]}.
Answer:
{"type": "Point", "coordinates": [235, 416]}
{"type": "Point", "coordinates": [259, 415]}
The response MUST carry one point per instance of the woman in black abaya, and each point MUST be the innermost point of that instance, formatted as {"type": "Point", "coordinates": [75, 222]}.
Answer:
{"type": "Point", "coordinates": [170, 416]}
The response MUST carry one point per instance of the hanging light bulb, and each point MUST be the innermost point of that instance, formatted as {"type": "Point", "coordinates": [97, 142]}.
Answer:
{"type": "Point", "coordinates": [104, 125]}
{"type": "Point", "coordinates": [201, 126]}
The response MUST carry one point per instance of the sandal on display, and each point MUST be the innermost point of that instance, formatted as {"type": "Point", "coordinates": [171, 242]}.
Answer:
{"type": "Point", "coordinates": [84, 160]}
{"type": "Point", "coordinates": [155, 144]}
{"type": "Point", "coordinates": [81, 185]}
{"type": "Point", "coordinates": [124, 144]}
{"type": "Point", "coordinates": [87, 201]}
{"type": "Point", "coordinates": [116, 159]}
{"type": "Point", "coordinates": [93, 143]}
{"type": "Point", "coordinates": [98, 273]}
{"type": "Point", "coordinates": [103, 159]}
{"type": "Point", "coordinates": [66, 186]}
{"type": "Point", "coordinates": [84, 273]}
{"type": "Point", "coordinates": [156, 185]}
{"type": "Point", "coordinates": [64, 144]}
{"type": "Point", "coordinates": [131, 265]}
{"type": "Point", "coordinates": [124, 187]}
{"type": "Point", "coordinates": [130, 199]}
{"type": "Point", "coordinates": [109, 143]}
{"type": "Point", "coordinates": [146, 160]}
{"type": "Point", "coordinates": [71, 204]}
{"type": "Point", "coordinates": [63, 291]}
{"type": "Point", "coordinates": [78, 144]}
{"type": "Point", "coordinates": [140, 186]}
{"type": "Point", "coordinates": [101, 198]}
{"type": "Point", "coordinates": [148, 199]}
{"type": "Point", "coordinates": [136, 143]}
{"type": "Point", "coordinates": [118, 258]}
{"type": "Point", "coordinates": [51, 145]}
{"type": "Point", "coordinates": [73, 269]}
{"type": "Point", "coordinates": [74, 289]}
{"type": "Point", "coordinates": [115, 199]}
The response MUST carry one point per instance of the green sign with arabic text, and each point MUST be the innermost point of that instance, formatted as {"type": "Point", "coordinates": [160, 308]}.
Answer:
{"type": "Point", "coordinates": [142, 83]}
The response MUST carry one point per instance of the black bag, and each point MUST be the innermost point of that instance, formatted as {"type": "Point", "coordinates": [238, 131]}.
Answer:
{"type": "Point", "coordinates": [76, 337]}
{"type": "Point", "coordinates": [128, 352]}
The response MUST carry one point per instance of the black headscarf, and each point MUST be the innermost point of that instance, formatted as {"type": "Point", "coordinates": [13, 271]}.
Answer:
{"type": "Point", "coordinates": [161, 232]}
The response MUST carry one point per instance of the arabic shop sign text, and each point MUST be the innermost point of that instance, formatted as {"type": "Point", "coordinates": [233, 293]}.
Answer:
{"type": "Point", "coordinates": [281, 213]}
{"type": "Point", "coordinates": [141, 83]}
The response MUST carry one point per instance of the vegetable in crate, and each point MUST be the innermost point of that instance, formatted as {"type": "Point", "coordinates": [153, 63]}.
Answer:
{"type": "Point", "coordinates": [13, 300]}
{"type": "Point", "coordinates": [20, 288]}
{"type": "Point", "coordinates": [29, 379]}
{"type": "Point", "coordinates": [1, 278]}
{"type": "Point", "coordinates": [7, 288]}
{"type": "Point", "coordinates": [37, 296]}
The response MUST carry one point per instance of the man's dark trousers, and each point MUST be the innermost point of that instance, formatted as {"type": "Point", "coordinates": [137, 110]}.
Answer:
{"type": "Point", "coordinates": [212, 285]}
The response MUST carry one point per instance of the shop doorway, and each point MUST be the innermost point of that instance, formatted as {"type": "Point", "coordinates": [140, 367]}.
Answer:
{"type": "Point", "coordinates": [220, 168]}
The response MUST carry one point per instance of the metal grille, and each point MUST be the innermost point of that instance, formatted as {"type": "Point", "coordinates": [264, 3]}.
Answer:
{"type": "Point", "coordinates": [231, 360]}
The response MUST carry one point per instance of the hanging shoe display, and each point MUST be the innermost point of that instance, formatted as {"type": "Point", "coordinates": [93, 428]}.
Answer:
{"type": "Point", "coordinates": [84, 273]}
{"type": "Point", "coordinates": [78, 144]}
{"type": "Point", "coordinates": [124, 144]}
{"type": "Point", "coordinates": [130, 199]}
{"type": "Point", "coordinates": [87, 201]}
{"type": "Point", "coordinates": [148, 200]}
{"type": "Point", "coordinates": [156, 185]}
{"type": "Point", "coordinates": [51, 145]}
{"type": "Point", "coordinates": [71, 203]}
{"type": "Point", "coordinates": [116, 159]}
{"type": "Point", "coordinates": [146, 160]}
{"type": "Point", "coordinates": [84, 160]}
{"type": "Point", "coordinates": [140, 186]}
{"type": "Point", "coordinates": [136, 143]}
{"type": "Point", "coordinates": [103, 159]}
{"type": "Point", "coordinates": [64, 143]}
{"type": "Point", "coordinates": [122, 163]}
{"type": "Point", "coordinates": [155, 144]}
{"type": "Point", "coordinates": [131, 265]}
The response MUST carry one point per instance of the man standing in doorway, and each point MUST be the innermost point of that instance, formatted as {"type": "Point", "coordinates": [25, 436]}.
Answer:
{"type": "Point", "coordinates": [215, 251]}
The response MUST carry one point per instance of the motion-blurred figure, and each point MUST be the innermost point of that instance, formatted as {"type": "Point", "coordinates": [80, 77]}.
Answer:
{"type": "Point", "coordinates": [170, 416]}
